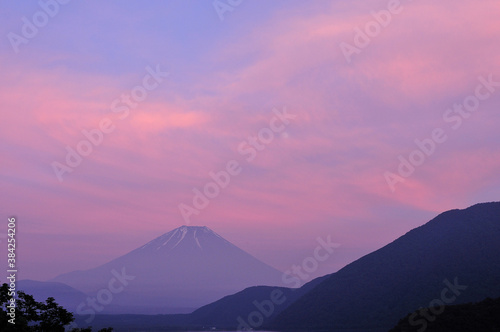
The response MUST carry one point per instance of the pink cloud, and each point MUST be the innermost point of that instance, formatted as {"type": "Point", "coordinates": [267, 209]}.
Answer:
{"type": "Point", "coordinates": [326, 173]}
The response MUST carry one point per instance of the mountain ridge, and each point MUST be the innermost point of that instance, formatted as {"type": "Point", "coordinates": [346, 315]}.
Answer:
{"type": "Point", "coordinates": [190, 266]}
{"type": "Point", "coordinates": [407, 273]}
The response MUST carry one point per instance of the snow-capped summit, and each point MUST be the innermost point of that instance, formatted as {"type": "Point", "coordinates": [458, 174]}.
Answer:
{"type": "Point", "coordinates": [178, 271]}
{"type": "Point", "coordinates": [191, 235]}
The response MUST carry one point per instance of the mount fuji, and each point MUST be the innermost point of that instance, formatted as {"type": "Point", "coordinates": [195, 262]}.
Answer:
{"type": "Point", "coordinates": [177, 272]}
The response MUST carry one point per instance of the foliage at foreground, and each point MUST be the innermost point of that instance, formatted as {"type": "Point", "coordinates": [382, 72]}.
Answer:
{"type": "Point", "coordinates": [31, 315]}
{"type": "Point", "coordinates": [482, 316]}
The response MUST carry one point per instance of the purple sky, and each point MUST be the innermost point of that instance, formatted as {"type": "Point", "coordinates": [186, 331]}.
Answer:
{"type": "Point", "coordinates": [357, 101]}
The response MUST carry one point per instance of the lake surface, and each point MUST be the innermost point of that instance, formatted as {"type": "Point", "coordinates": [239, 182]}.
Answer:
{"type": "Point", "coordinates": [349, 330]}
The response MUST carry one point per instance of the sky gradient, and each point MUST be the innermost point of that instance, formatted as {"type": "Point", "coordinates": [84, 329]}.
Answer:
{"type": "Point", "coordinates": [322, 175]}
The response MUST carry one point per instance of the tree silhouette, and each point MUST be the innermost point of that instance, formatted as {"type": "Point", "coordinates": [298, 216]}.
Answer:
{"type": "Point", "coordinates": [481, 316]}
{"type": "Point", "coordinates": [31, 315]}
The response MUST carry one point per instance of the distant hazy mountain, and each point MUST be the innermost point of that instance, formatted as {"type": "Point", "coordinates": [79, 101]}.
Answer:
{"type": "Point", "coordinates": [460, 246]}
{"type": "Point", "coordinates": [223, 313]}
{"type": "Point", "coordinates": [65, 295]}
{"type": "Point", "coordinates": [176, 272]}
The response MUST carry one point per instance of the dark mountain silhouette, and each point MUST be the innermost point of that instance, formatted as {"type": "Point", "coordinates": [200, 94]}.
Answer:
{"type": "Point", "coordinates": [458, 246]}
{"type": "Point", "coordinates": [453, 259]}
{"type": "Point", "coordinates": [470, 317]}
{"type": "Point", "coordinates": [176, 272]}
{"type": "Point", "coordinates": [226, 311]}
